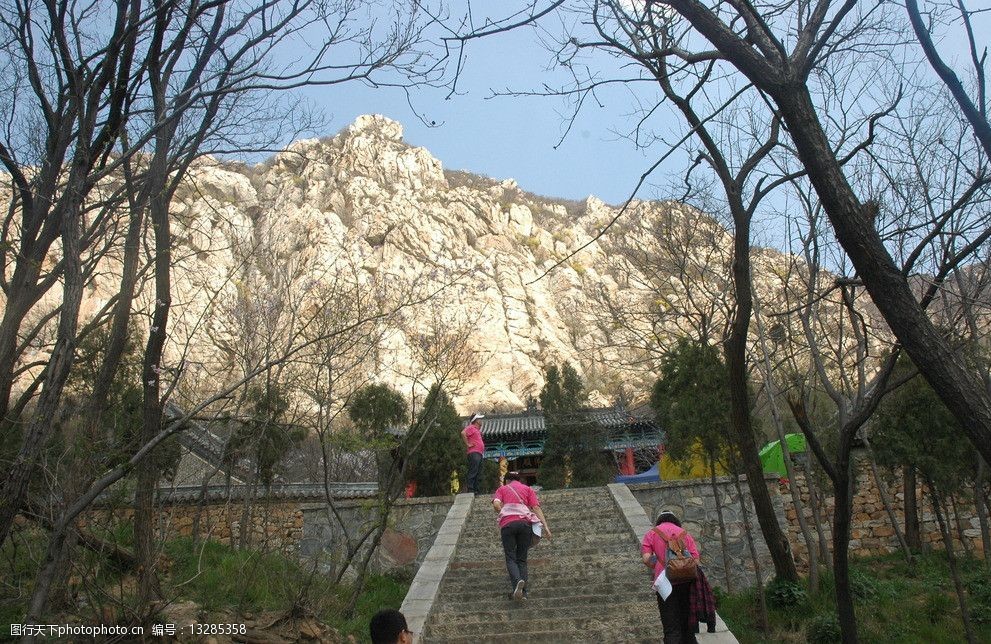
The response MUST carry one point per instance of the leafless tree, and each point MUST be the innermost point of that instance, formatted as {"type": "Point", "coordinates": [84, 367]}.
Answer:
{"type": "Point", "coordinates": [673, 274]}
{"type": "Point", "coordinates": [974, 108]}
{"type": "Point", "coordinates": [779, 51]}
{"type": "Point", "coordinates": [921, 203]}
{"type": "Point", "coordinates": [181, 80]}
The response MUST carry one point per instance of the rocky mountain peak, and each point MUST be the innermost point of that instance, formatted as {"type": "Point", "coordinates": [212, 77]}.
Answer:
{"type": "Point", "coordinates": [517, 276]}
{"type": "Point", "coordinates": [376, 125]}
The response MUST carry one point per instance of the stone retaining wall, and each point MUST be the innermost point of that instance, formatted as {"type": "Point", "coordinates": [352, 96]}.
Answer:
{"type": "Point", "coordinates": [871, 532]}
{"type": "Point", "coordinates": [301, 527]}
{"type": "Point", "coordinates": [695, 504]}
{"type": "Point", "coordinates": [275, 525]}
{"type": "Point", "coordinates": [413, 525]}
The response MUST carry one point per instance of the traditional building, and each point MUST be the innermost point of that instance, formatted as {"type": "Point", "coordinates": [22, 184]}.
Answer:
{"type": "Point", "coordinates": [632, 438]}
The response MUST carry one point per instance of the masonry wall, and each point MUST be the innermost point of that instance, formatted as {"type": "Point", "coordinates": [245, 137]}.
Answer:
{"type": "Point", "coordinates": [871, 530]}
{"type": "Point", "coordinates": [273, 525]}
{"type": "Point", "coordinates": [413, 525]}
{"type": "Point", "coordinates": [694, 502]}
{"type": "Point", "coordinates": [301, 527]}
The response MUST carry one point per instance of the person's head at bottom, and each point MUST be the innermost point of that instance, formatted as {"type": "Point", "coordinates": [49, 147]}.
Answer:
{"type": "Point", "coordinates": [388, 626]}
{"type": "Point", "coordinates": [511, 476]}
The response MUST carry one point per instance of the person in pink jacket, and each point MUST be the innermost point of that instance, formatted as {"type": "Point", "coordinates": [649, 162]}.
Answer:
{"type": "Point", "coordinates": [675, 610]}
{"type": "Point", "coordinates": [475, 446]}
{"type": "Point", "coordinates": [517, 506]}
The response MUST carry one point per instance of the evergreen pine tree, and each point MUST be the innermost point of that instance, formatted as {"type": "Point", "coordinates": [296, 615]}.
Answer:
{"type": "Point", "coordinates": [914, 428]}
{"type": "Point", "coordinates": [574, 451]}
{"type": "Point", "coordinates": [691, 401]}
{"type": "Point", "coordinates": [441, 450]}
{"type": "Point", "coordinates": [374, 409]}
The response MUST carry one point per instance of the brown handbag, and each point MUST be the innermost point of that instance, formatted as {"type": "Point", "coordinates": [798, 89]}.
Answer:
{"type": "Point", "coordinates": [680, 565]}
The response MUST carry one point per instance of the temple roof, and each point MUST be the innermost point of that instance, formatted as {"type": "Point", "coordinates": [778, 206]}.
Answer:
{"type": "Point", "coordinates": [523, 433]}
{"type": "Point", "coordinates": [532, 422]}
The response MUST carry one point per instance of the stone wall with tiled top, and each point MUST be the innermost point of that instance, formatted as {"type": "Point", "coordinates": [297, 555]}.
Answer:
{"type": "Point", "coordinates": [694, 502]}
{"type": "Point", "coordinates": [871, 532]}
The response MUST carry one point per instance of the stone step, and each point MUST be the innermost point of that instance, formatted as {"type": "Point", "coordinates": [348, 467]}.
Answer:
{"type": "Point", "coordinates": [561, 532]}
{"type": "Point", "coordinates": [567, 629]}
{"type": "Point", "coordinates": [582, 522]}
{"type": "Point", "coordinates": [546, 585]}
{"type": "Point", "coordinates": [577, 499]}
{"type": "Point", "coordinates": [586, 584]}
{"type": "Point", "coordinates": [555, 515]}
{"type": "Point", "coordinates": [614, 546]}
{"type": "Point", "coordinates": [566, 561]}
{"type": "Point", "coordinates": [607, 635]}
{"type": "Point", "coordinates": [609, 564]}
{"type": "Point", "coordinates": [561, 539]}
{"type": "Point", "coordinates": [611, 596]}
{"type": "Point", "coordinates": [523, 611]}
{"type": "Point", "coordinates": [627, 578]}
{"type": "Point", "coordinates": [576, 568]}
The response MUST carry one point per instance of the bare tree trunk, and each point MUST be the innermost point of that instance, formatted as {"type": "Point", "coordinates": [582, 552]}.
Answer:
{"type": "Point", "coordinates": [362, 572]}
{"type": "Point", "coordinates": [21, 296]}
{"type": "Point", "coordinates": [817, 512]}
{"type": "Point", "coordinates": [117, 341]}
{"type": "Point", "coordinates": [956, 519]}
{"type": "Point", "coordinates": [912, 533]}
{"type": "Point", "coordinates": [39, 432]}
{"type": "Point", "coordinates": [951, 558]}
{"type": "Point", "coordinates": [147, 469]}
{"type": "Point", "coordinates": [796, 497]}
{"type": "Point", "coordinates": [883, 493]}
{"type": "Point", "coordinates": [245, 532]}
{"type": "Point", "coordinates": [758, 574]}
{"type": "Point", "coordinates": [736, 367]}
{"type": "Point", "coordinates": [200, 502]}
{"type": "Point", "coordinates": [839, 474]}
{"type": "Point", "coordinates": [722, 526]}
{"type": "Point", "coordinates": [843, 495]}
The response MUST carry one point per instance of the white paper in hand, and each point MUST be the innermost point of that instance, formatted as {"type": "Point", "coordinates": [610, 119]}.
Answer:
{"type": "Point", "coordinates": [538, 529]}
{"type": "Point", "coordinates": [662, 585]}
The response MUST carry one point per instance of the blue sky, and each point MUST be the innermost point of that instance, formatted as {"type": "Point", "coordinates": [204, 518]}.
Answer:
{"type": "Point", "coordinates": [517, 137]}
{"type": "Point", "coordinates": [508, 137]}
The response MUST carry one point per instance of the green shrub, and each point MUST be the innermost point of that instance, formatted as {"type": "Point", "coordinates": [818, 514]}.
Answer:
{"type": "Point", "coordinates": [980, 613]}
{"type": "Point", "coordinates": [864, 588]}
{"type": "Point", "coordinates": [979, 589]}
{"type": "Point", "coordinates": [781, 593]}
{"type": "Point", "coordinates": [823, 629]}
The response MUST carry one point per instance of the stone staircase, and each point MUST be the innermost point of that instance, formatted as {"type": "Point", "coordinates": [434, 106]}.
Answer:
{"type": "Point", "coordinates": [586, 585]}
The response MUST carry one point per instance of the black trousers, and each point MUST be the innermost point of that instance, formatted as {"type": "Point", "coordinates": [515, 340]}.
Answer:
{"type": "Point", "coordinates": [674, 616]}
{"type": "Point", "coordinates": [516, 537]}
{"type": "Point", "coordinates": [474, 470]}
